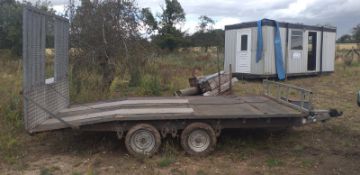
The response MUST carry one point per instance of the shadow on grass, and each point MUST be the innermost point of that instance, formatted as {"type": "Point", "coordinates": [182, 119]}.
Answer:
{"type": "Point", "coordinates": [83, 143]}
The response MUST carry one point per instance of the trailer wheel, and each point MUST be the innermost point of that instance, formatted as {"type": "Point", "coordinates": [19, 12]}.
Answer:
{"type": "Point", "coordinates": [142, 140]}
{"type": "Point", "coordinates": [198, 139]}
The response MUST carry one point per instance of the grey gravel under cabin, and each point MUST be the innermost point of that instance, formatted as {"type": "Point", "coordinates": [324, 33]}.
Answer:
{"type": "Point", "coordinates": [306, 50]}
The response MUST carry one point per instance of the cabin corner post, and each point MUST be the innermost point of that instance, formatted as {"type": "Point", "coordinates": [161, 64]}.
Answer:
{"type": "Point", "coordinates": [321, 49]}
{"type": "Point", "coordinates": [230, 78]}
{"type": "Point", "coordinates": [287, 51]}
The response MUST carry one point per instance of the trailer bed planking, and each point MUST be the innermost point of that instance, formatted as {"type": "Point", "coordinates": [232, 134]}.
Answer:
{"type": "Point", "coordinates": [171, 108]}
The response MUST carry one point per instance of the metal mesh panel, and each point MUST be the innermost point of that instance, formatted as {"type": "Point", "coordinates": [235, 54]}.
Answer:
{"type": "Point", "coordinates": [41, 94]}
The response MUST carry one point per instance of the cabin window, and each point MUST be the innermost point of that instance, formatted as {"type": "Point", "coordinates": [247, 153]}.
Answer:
{"type": "Point", "coordinates": [296, 40]}
{"type": "Point", "coordinates": [244, 41]}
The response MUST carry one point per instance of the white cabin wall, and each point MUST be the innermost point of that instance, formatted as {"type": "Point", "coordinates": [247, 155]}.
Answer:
{"type": "Point", "coordinates": [298, 64]}
{"type": "Point", "coordinates": [257, 68]}
{"type": "Point", "coordinates": [269, 67]}
{"type": "Point", "coordinates": [230, 50]}
{"type": "Point", "coordinates": [304, 57]}
{"type": "Point", "coordinates": [328, 60]}
{"type": "Point", "coordinates": [269, 48]}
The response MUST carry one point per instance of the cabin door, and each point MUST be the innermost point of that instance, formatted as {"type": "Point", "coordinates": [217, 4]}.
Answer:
{"type": "Point", "coordinates": [243, 51]}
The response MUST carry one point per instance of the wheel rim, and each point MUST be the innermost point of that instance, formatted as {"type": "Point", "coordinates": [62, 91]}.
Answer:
{"type": "Point", "coordinates": [199, 140]}
{"type": "Point", "coordinates": [142, 141]}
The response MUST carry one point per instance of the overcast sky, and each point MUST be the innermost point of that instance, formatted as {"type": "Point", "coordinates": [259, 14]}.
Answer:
{"type": "Point", "coordinates": [344, 14]}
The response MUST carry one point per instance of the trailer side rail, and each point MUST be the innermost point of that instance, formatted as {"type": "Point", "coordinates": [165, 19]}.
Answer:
{"type": "Point", "coordinates": [290, 95]}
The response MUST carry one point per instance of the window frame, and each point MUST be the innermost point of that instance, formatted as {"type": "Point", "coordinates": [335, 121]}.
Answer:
{"type": "Point", "coordinates": [294, 36]}
{"type": "Point", "coordinates": [244, 47]}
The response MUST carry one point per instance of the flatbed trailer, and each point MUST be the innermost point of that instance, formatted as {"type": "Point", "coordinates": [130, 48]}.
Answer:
{"type": "Point", "coordinates": [266, 111]}
{"type": "Point", "coordinates": [143, 121]}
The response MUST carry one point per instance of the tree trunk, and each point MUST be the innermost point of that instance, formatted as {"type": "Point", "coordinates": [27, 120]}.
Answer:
{"type": "Point", "coordinates": [108, 75]}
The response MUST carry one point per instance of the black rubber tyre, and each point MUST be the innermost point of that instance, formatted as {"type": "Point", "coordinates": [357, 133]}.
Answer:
{"type": "Point", "coordinates": [143, 140]}
{"type": "Point", "coordinates": [198, 139]}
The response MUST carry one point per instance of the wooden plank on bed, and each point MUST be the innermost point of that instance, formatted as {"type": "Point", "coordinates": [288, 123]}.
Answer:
{"type": "Point", "coordinates": [126, 102]}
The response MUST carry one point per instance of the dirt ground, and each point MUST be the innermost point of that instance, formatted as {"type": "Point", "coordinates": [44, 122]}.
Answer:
{"type": "Point", "coordinates": [323, 148]}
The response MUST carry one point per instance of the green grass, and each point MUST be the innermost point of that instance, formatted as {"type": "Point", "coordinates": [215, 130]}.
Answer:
{"type": "Point", "coordinates": [166, 161]}
{"type": "Point", "coordinates": [11, 124]}
{"type": "Point", "coordinates": [299, 149]}
{"type": "Point", "coordinates": [45, 171]}
{"type": "Point", "coordinates": [169, 153]}
{"type": "Point", "coordinates": [161, 76]}
{"type": "Point", "coordinates": [176, 171]}
{"type": "Point", "coordinates": [201, 172]}
{"type": "Point", "coordinates": [76, 173]}
{"type": "Point", "coordinates": [307, 163]}
{"type": "Point", "coordinates": [272, 162]}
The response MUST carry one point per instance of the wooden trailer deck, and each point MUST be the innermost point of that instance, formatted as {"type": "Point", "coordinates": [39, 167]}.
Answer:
{"type": "Point", "coordinates": [171, 108]}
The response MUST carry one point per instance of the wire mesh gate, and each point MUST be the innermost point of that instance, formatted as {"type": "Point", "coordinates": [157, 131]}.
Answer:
{"type": "Point", "coordinates": [43, 98]}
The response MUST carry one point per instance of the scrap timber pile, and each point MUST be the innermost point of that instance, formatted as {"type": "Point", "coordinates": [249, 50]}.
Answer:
{"type": "Point", "coordinates": [210, 85]}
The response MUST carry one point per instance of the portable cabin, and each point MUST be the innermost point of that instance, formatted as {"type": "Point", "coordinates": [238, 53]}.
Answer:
{"type": "Point", "coordinates": [306, 50]}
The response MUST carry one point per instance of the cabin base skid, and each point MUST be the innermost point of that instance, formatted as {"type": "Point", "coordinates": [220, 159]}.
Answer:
{"type": "Point", "coordinates": [249, 76]}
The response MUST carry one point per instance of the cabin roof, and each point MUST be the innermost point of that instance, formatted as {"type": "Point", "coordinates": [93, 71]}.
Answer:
{"type": "Point", "coordinates": [281, 24]}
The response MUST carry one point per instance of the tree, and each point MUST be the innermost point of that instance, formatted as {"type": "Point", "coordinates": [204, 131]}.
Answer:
{"type": "Point", "coordinates": [212, 38]}
{"type": "Point", "coordinates": [164, 32]}
{"type": "Point", "coordinates": [218, 36]}
{"type": "Point", "coordinates": [205, 23]}
{"type": "Point", "coordinates": [172, 14]}
{"type": "Point", "coordinates": [11, 26]}
{"type": "Point", "coordinates": [44, 5]}
{"type": "Point", "coordinates": [107, 35]}
{"type": "Point", "coordinates": [169, 36]}
{"type": "Point", "coordinates": [356, 33]}
{"type": "Point", "coordinates": [345, 39]}
{"type": "Point", "coordinates": [149, 20]}
{"type": "Point", "coordinates": [206, 36]}
{"type": "Point", "coordinates": [11, 23]}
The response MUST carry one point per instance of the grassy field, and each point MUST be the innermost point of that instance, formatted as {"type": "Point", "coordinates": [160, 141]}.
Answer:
{"type": "Point", "coordinates": [324, 148]}
{"type": "Point", "coordinates": [347, 46]}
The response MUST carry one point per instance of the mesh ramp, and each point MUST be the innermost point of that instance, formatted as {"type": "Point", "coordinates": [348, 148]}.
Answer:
{"type": "Point", "coordinates": [42, 97]}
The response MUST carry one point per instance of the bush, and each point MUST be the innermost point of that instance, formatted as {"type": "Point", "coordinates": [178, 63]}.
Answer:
{"type": "Point", "coordinates": [12, 112]}
{"type": "Point", "coordinates": [150, 86]}
{"type": "Point", "coordinates": [10, 126]}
